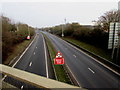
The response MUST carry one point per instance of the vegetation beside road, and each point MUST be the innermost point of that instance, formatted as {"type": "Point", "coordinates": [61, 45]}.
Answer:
{"type": "Point", "coordinates": [14, 38]}
{"type": "Point", "coordinates": [17, 50]}
{"type": "Point", "coordinates": [91, 48]}
{"type": "Point", "coordinates": [59, 70]}
{"type": "Point", "coordinates": [96, 36]}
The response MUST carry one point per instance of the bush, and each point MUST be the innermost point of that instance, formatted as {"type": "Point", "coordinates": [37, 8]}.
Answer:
{"type": "Point", "coordinates": [95, 35]}
{"type": "Point", "coordinates": [12, 36]}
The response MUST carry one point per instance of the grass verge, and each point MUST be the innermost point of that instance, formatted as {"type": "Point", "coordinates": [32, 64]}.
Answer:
{"type": "Point", "coordinates": [91, 48]}
{"type": "Point", "coordinates": [59, 69]}
{"type": "Point", "coordinates": [18, 49]}
{"type": "Point", "coordinates": [101, 55]}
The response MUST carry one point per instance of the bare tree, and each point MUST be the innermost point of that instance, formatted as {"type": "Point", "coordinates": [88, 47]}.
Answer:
{"type": "Point", "coordinates": [111, 16]}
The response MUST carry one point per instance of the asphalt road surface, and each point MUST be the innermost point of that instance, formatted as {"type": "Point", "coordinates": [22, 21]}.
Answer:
{"type": "Point", "coordinates": [34, 60]}
{"type": "Point", "coordinates": [87, 72]}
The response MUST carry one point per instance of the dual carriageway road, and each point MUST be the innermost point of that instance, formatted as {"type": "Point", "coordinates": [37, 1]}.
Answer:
{"type": "Point", "coordinates": [86, 70]}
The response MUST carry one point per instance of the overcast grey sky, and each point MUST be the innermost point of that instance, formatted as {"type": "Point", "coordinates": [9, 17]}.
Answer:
{"type": "Point", "coordinates": [42, 14]}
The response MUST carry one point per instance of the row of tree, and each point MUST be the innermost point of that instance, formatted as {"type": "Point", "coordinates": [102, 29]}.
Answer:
{"type": "Point", "coordinates": [96, 35]}
{"type": "Point", "coordinates": [13, 34]}
{"type": "Point", "coordinates": [89, 34]}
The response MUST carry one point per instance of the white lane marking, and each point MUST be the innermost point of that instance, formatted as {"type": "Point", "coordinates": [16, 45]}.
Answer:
{"type": "Point", "coordinates": [90, 57]}
{"type": "Point", "coordinates": [30, 64]}
{"type": "Point", "coordinates": [45, 57]}
{"type": "Point", "coordinates": [74, 56]}
{"type": "Point", "coordinates": [36, 47]}
{"type": "Point", "coordinates": [12, 60]}
{"type": "Point", "coordinates": [91, 70]}
{"type": "Point", "coordinates": [34, 53]}
{"type": "Point", "coordinates": [20, 57]}
{"type": "Point", "coordinates": [21, 87]}
{"type": "Point", "coordinates": [23, 52]}
{"type": "Point", "coordinates": [73, 75]}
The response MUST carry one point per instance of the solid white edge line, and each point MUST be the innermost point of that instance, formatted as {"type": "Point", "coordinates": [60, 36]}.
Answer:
{"type": "Point", "coordinates": [91, 70]}
{"type": "Point", "coordinates": [23, 53]}
{"type": "Point", "coordinates": [20, 57]}
{"type": "Point", "coordinates": [96, 60]}
{"type": "Point", "coordinates": [91, 57]}
{"type": "Point", "coordinates": [4, 77]}
{"type": "Point", "coordinates": [12, 60]}
{"type": "Point", "coordinates": [55, 73]}
{"type": "Point", "coordinates": [73, 76]}
{"type": "Point", "coordinates": [45, 57]}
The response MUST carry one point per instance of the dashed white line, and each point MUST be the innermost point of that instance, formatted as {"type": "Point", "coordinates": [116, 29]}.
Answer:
{"type": "Point", "coordinates": [20, 57]}
{"type": "Point", "coordinates": [23, 52]}
{"type": "Point", "coordinates": [30, 64]}
{"type": "Point", "coordinates": [34, 53]}
{"type": "Point", "coordinates": [36, 47]}
{"type": "Point", "coordinates": [90, 57]}
{"type": "Point", "coordinates": [91, 70]}
{"type": "Point", "coordinates": [74, 56]}
{"type": "Point", "coordinates": [21, 87]}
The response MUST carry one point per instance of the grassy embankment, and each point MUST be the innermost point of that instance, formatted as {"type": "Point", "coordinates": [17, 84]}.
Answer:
{"type": "Point", "coordinates": [59, 70]}
{"type": "Point", "coordinates": [17, 50]}
{"type": "Point", "coordinates": [91, 48]}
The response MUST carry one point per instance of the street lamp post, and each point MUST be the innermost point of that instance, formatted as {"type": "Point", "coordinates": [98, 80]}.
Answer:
{"type": "Point", "coordinates": [28, 31]}
{"type": "Point", "coordinates": [63, 28]}
{"type": "Point", "coordinates": [62, 32]}
{"type": "Point", "coordinates": [17, 28]}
